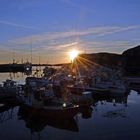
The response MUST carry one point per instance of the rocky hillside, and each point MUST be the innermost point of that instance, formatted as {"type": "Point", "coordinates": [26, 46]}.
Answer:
{"type": "Point", "coordinates": [132, 60]}
{"type": "Point", "coordinates": [129, 60]}
{"type": "Point", "coordinates": [105, 59]}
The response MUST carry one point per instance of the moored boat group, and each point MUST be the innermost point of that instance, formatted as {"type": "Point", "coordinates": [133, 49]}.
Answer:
{"type": "Point", "coordinates": [62, 93]}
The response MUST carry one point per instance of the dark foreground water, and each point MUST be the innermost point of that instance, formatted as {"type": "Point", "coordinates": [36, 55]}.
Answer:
{"type": "Point", "coordinates": [107, 121]}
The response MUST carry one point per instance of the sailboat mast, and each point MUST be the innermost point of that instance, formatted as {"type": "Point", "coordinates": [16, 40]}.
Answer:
{"type": "Point", "coordinates": [31, 51]}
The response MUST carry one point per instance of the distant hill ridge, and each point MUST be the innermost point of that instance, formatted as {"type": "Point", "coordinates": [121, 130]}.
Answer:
{"type": "Point", "coordinates": [129, 60]}
{"type": "Point", "coordinates": [132, 60]}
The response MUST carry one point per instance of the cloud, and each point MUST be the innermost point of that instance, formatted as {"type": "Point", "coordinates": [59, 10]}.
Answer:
{"type": "Point", "coordinates": [67, 45]}
{"type": "Point", "coordinates": [56, 45]}
{"type": "Point", "coordinates": [95, 32]}
{"type": "Point", "coordinates": [120, 29]}
{"type": "Point", "coordinates": [58, 48]}
{"type": "Point", "coordinates": [58, 52]}
{"type": "Point", "coordinates": [17, 25]}
{"type": "Point", "coordinates": [108, 46]}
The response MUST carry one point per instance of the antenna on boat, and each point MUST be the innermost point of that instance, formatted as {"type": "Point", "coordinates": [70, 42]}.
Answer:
{"type": "Point", "coordinates": [31, 50]}
{"type": "Point", "coordinates": [39, 62]}
{"type": "Point", "coordinates": [39, 58]}
{"type": "Point", "coordinates": [22, 61]}
{"type": "Point", "coordinates": [10, 76]}
{"type": "Point", "coordinates": [13, 56]}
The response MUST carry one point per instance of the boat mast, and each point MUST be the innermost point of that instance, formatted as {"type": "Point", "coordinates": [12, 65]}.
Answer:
{"type": "Point", "coordinates": [13, 56]}
{"type": "Point", "coordinates": [31, 51]}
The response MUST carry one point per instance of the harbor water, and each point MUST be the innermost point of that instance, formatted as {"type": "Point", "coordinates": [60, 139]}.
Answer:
{"type": "Point", "coordinates": [106, 119]}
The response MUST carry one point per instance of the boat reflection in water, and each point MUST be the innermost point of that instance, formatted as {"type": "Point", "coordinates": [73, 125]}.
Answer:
{"type": "Point", "coordinates": [119, 112]}
{"type": "Point", "coordinates": [112, 99]}
{"type": "Point", "coordinates": [86, 112]}
{"type": "Point", "coordinates": [37, 122]}
{"type": "Point", "coordinates": [6, 111]}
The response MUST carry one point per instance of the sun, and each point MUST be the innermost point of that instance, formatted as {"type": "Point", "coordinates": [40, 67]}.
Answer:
{"type": "Point", "coordinates": [73, 54]}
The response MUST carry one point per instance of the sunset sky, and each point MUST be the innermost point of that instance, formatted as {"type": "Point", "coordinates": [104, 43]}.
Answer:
{"type": "Point", "coordinates": [53, 27]}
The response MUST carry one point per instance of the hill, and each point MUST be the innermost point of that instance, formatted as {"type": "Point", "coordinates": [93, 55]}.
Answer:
{"type": "Point", "coordinates": [129, 60]}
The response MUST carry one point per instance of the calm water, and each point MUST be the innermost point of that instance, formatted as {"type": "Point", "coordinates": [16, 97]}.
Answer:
{"type": "Point", "coordinates": [106, 121]}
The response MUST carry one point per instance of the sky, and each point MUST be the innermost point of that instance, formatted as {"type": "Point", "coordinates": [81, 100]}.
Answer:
{"type": "Point", "coordinates": [49, 29]}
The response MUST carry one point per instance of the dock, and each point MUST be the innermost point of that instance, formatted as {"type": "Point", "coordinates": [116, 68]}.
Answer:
{"type": "Point", "coordinates": [14, 67]}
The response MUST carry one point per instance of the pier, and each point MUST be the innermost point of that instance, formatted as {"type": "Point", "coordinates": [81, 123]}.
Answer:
{"type": "Point", "coordinates": [14, 67]}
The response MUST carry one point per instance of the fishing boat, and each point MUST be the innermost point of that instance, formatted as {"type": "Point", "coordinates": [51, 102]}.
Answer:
{"type": "Point", "coordinates": [44, 102]}
{"type": "Point", "coordinates": [103, 81]}
{"type": "Point", "coordinates": [85, 84]}
{"type": "Point", "coordinates": [8, 89]}
{"type": "Point", "coordinates": [103, 88]}
{"type": "Point", "coordinates": [116, 87]}
{"type": "Point", "coordinates": [60, 81]}
{"type": "Point", "coordinates": [75, 89]}
{"type": "Point", "coordinates": [54, 109]}
{"type": "Point", "coordinates": [33, 83]}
